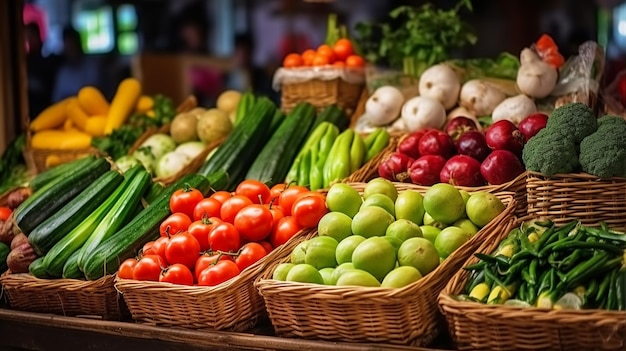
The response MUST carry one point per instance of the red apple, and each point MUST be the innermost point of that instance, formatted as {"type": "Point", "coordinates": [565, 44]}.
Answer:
{"type": "Point", "coordinates": [501, 166]}
{"type": "Point", "coordinates": [474, 144]}
{"type": "Point", "coordinates": [459, 125]}
{"type": "Point", "coordinates": [436, 142]}
{"type": "Point", "coordinates": [462, 170]}
{"type": "Point", "coordinates": [394, 167]}
{"type": "Point", "coordinates": [425, 170]}
{"type": "Point", "coordinates": [410, 145]}
{"type": "Point", "coordinates": [532, 124]}
{"type": "Point", "coordinates": [504, 135]}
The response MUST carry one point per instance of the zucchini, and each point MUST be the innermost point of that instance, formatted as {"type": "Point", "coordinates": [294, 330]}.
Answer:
{"type": "Point", "coordinates": [56, 172]}
{"type": "Point", "coordinates": [71, 269]}
{"type": "Point", "coordinates": [332, 114]}
{"type": "Point", "coordinates": [272, 166]}
{"type": "Point", "coordinates": [4, 253]}
{"type": "Point", "coordinates": [243, 145]}
{"type": "Point", "coordinates": [245, 105]}
{"type": "Point", "coordinates": [153, 192]}
{"type": "Point", "coordinates": [141, 229]}
{"type": "Point", "coordinates": [136, 183]}
{"type": "Point", "coordinates": [57, 256]}
{"type": "Point", "coordinates": [53, 229]}
{"type": "Point", "coordinates": [38, 270]}
{"type": "Point", "coordinates": [56, 194]}
{"type": "Point", "coordinates": [277, 121]}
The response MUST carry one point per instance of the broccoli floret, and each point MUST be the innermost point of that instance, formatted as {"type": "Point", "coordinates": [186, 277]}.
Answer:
{"type": "Point", "coordinates": [603, 153]}
{"type": "Point", "coordinates": [573, 121]}
{"type": "Point", "coordinates": [549, 153]}
{"type": "Point", "coordinates": [611, 120]}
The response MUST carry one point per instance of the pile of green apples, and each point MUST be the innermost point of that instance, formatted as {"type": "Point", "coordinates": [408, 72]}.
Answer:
{"type": "Point", "coordinates": [383, 238]}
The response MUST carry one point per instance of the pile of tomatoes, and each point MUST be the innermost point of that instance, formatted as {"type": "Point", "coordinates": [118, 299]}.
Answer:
{"type": "Point", "coordinates": [207, 241]}
{"type": "Point", "coordinates": [341, 54]}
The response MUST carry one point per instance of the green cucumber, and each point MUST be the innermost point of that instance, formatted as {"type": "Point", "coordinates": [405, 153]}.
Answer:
{"type": "Point", "coordinates": [153, 192]}
{"type": "Point", "coordinates": [71, 269]}
{"type": "Point", "coordinates": [334, 115]}
{"type": "Point", "coordinates": [141, 229]}
{"type": "Point", "coordinates": [57, 256]}
{"type": "Point", "coordinates": [56, 172]}
{"type": "Point", "coordinates": [53, 229]}
{"type": "Point", "coordinates": [136, 183]}
{"type": "Point", "coordinates": [56, 194]}
{"type": "Point", "coordinates": [38, 270]}
{"type": "Point", "coordinates": [272, 166]}
{"type": "Point", "coordinates": [243, 145]}
{"type": "Point", "coordinates": [246, 103]}
{"type": "Point", "coordinates": [4, 253]}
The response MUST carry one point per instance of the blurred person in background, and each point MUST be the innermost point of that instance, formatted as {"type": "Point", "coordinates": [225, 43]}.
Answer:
{"type": "Point", "coordinates": [41, 71]}
{"type": "Point", "coordinates": [77, 69]}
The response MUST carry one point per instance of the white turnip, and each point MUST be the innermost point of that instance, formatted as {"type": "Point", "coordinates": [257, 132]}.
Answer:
{"type": "Point", "coordinates": [514, 109]}
{"type": "Point", "coordinates": [423, 112]}
{"type": "Point", "coordinates": [535, 77]}
{"type": "Point", "coordinates": [441, 83]}
{"type": "Point", "coordinates": [480, 97]}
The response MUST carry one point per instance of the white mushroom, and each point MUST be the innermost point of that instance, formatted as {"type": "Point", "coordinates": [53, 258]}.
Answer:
{"type": "Point", "coordinates": [441, 83]}
{"type": "Point", "coordinates": [480, 97]}
{"type": "Point", "coordinates": [515, 109]}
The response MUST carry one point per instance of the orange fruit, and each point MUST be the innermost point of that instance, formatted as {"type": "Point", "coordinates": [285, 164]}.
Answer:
{"type": "Point", "coordinates": [321, 60]}
{"type": "Point", "coordinates": [292, 60]}
{"type": "Point", "coordinates": [308, 56]}
{"type": "Point", "coordinates": [355, 61]}
{"type": "Point", "coordinates": [339, 64]}
{"type": "Point", "coordinates": [327, 51]}
{"type": "Point", "coordinates": [343, 49]}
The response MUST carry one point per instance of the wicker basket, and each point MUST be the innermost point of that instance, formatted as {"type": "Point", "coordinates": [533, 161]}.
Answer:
{"type": "Point", "coordinates": [477, 326]}
{"type": "Point", "coordinates": [39, 160]}
{"type": "Point", "coordinates": [322, 87]}
{"type": "Point", "coordinates": [579, 195]}
{"type": "Point", "coordinates": [408, 316]}
{"type": "Point", "coordinates": [68, 297]}
{"type": "Point", "coordinates": [233, 306]}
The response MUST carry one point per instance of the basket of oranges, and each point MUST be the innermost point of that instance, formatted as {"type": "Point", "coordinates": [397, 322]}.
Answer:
{"type": "Point", "coordinates": [330, 75]}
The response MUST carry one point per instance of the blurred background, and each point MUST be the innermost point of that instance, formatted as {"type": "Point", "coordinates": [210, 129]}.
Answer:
{"type": "Point", "coordinates": [206, 46]}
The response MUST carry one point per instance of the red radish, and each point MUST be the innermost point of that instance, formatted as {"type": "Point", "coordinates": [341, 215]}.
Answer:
{"type": "Point", "coordinates": [532, 124]}
{"type": "Point", "coordinates": [459, 125]}
{"type": "Point", "coordinates": [461, 170]}
{"type": "Point", "coordinates": [436, 142]}
{"type": "Point", "coordinates": [501, 166]}
{"type": "Point", "coordinates": [410, 145]}
{"type": "Point", "coordinates": [425, 170]}
{"type": "Point", "coordinates": [504, 135]}
{"type": "Point", "coordinates": [393, 165]}
{"type": "Point", "coordinates": [474, 144]}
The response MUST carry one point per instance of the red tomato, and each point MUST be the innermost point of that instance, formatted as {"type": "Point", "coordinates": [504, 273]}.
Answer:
{"type": "Point", "coordinates": [158, 248]}
{"type": "Point", "coordinates": [289, 196]}
{"type": "Point", "coordinates": [183, 248]}
{"type": "Point", "coordinates": [209, 207]}
{"type": "Point", "coordinates": [177, 274]}
{"type": "Point", "coordinates": [224, 237]}
{"type": "Point", "coordinates": [174, 224]}
{"type": "Point", "coordinates": [276, 190]}
{"type": "Point", "coordinates": [308, 210]}
{"type": "Point", "coordinates": [219, 273]}
{"type": "Point", "coordinates": [277, 214]}
{"type": "Point", "coordinates": [147, 249]}
{"type": "Point", "coordinates": [200, 230]}
{"type": "Point", "coordinates": [149, 268]}
{"type": "Point", "coordinates": [221, 196]}
{"type": "Point", "coordinates": [343, 48]}
{"type": "Point", "coordinates": [232, 206]}
{"type": "Point", "coordinates": [249, 254]}
{"type": "Point", "coordinates": [184, 200]}
{"type": "Point", "coordinates": [126, 268]}
{"type": "Point", "coordinates": [5, 213]}
{"type": "Point", "coordinates": [254, 222]}
{"type": "Point", "coordinates": [207, 260]}
{"type": "Point", "coordinates": [257, 192]}
{"type": "Point", "coordinates": [285, 229]}
{"type": "Point", "coordinates": [266, 244]}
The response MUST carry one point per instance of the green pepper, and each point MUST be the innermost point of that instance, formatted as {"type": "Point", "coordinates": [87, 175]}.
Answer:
{"type": "Point", "coordinates": [611, 303]}
{"type": "Point", "coordinates": [603, 287]}
{"type": "Point", "coordinates": [607, 235]}
{"type": "Point", "coordinates": [620, 289]}
{"type": "Point", "coordinates": [568, 262]}
{"type": "Point", "coordinates": [476, 266]}
{"type": "Point", "coordinates": [591, 291]}
{"type": "Point", "coordinates": [532, 272]}
{"type": "Point", "coordinates": [476, 278]}
{"type": "Point", "coordinates": [588, 245]}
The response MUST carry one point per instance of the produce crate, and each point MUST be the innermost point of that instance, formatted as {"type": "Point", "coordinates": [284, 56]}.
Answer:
{"type": "Point", "coordinates": [68, 297]}
{"type": "Point", "coordinates": [234, 305]}
{"type": "Point", "coordinates": [477, 326]}
{"type": "Point", "coordinates": [320, 86]}
{"type": "Point", "coordinates": [585, 197]}
{"type": "Point", "coordinates": [408, 315]}
{"type": "Point", "coordinates": [517, 186]}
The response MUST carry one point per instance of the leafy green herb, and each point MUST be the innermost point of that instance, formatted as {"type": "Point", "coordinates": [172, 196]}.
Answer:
{"type": "Point", "coordinates": [120, 140]}
{"type": "Point", "coordinates": [13, 170]}
{"type": "Point", "coordinates": [505, 66]}
{"type": "Point", "coordinates": [422, 37]}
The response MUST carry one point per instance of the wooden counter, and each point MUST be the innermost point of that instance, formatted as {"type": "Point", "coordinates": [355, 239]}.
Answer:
{"type": "Point", "coordinates": [33, 331]}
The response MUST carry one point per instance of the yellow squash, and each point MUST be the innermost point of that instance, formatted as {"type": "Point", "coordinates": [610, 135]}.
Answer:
{"type": "Point", "coordinates": [144, 104]}
{"type": "Point", "coordinates": [95, 125]}
{"type": "Point", "coordinates": [76, 113]}
{"type": "Point", "coordinates": [61, 140]}
{"type": "Point", "coordinates": [123, 104]}
{"type": "Point", "coordinates": [52, 117]}
{"type": "Point", "coordinates": [92, 101]}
